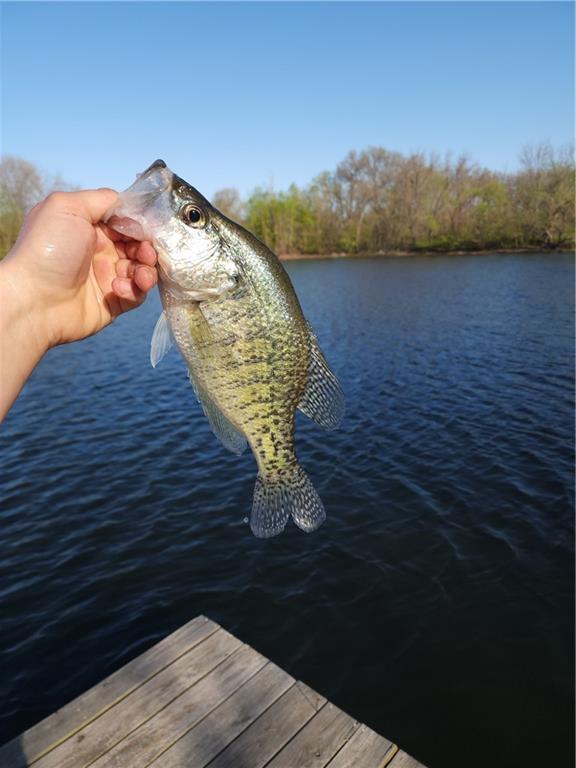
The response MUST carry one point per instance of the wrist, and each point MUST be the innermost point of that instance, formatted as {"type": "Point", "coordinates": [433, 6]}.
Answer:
{"type": "Point", "coordinates": [23, 340]}
{"type": "Point", "coordinates": [22, 319]}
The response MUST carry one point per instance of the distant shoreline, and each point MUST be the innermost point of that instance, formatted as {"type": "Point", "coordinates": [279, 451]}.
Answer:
{"type": "Point", "coordinates": [407, 254]}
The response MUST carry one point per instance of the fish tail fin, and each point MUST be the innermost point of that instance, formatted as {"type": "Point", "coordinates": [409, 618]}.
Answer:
{"type": "Point", "coordinates": [278, 497]}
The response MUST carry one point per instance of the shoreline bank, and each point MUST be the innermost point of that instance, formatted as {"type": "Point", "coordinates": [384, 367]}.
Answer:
{"type": "Point", "coordinates": [408, 254]}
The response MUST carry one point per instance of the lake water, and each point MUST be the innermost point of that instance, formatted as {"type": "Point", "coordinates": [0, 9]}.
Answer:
{"type": "Point", "coordinates": [435, 602]}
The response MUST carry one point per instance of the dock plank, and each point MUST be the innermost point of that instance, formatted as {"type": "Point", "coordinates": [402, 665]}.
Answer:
{"type": "Point", "coordinates": [100, 735]}
{"type": "Point", "coordinates": [365, 749]}
{"type": "Point", "coordinates": [313, 697]}
{"type": "Point", "coordinates": [152, 738]}
{"type": "Point", "coordinates": [317, 743]}
{"type": "Point", "coordinates": [213, 734]}
{"type": "Point", "coordinates": [63, 723]}
{"type": "Point", "coordinates": [270, 732]}
{"type": "Point", "coordinates": [403, 760]}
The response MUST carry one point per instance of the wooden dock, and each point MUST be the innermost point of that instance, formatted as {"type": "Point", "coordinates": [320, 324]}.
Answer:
{"type": "Point", "coordinates": [200, 697]}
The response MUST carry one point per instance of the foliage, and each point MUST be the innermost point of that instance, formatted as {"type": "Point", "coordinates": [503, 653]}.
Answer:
{"type": "Point", "coordinates": [285, 220]}
{"type": "Point", "coordinates": [21, 187]}
{"type": "Point", "coordinates": [378, 201]}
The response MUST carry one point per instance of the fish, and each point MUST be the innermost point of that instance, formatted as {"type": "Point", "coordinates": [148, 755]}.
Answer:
{"type": "Point", "coordinates": [253, 359]}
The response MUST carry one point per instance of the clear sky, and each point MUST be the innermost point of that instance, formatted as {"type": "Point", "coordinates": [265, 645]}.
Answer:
{"type": "Point", "coordinates": [247, 94]}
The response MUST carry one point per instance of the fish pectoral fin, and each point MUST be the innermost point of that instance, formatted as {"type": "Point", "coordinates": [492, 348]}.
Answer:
{"type": "Point", "coordinates": [230, 437]}
{"type": "Point", "coordinates": [322, 399]}
{"type": "Point", "coordinates": [162, 340]}
{"type": "Point", "coordinates": [276, 499]}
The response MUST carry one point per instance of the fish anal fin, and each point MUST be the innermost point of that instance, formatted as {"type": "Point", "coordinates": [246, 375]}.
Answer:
{"type": "Point", "coordinates": [322, 399]}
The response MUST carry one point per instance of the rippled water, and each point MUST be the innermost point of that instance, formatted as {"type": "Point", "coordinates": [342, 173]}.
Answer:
{"type": "Point", "coordinates": [434, 604]}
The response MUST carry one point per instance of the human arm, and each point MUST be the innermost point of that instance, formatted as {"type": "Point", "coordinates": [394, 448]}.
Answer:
{"type": "Point", "coordinates": [67, 277]}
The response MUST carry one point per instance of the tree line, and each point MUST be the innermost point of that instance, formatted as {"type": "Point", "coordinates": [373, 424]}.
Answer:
{"type": "Point", "coordinates": [378, 201]}
{"type": "Point", "coordinates": [22, 185]}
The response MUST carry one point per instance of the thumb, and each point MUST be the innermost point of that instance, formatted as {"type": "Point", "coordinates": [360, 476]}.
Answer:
{"type": "Point", "coordinates": [91, 204]}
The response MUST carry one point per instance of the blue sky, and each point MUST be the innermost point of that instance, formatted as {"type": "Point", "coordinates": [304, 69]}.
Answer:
{"type": "Point", "coordinates": [247, 94]}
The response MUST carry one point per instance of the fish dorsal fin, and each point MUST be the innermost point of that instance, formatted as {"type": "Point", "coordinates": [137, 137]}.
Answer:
{"type": "Point", "coordinates": [162, 340]}
{"type": "Point", "coordinates": [322, 399]}
{"type": "Point", "coordinates": [230, 437]}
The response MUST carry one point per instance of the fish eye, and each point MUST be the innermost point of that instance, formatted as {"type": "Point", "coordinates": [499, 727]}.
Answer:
{"type": "Point", "coordinates": [194, 216]}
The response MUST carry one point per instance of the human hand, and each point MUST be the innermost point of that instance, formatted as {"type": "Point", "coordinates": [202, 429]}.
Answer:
{"type": "Point", "coordinates": [74, 274]}
{"type": "Point", "coordinates": [67, 277]}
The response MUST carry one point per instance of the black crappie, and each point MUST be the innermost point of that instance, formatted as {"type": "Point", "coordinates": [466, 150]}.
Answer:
{"type": "Point", "coordinates": [252, 357]}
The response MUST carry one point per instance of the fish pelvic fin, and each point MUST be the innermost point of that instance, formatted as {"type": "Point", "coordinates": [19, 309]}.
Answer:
{"type": "Point", "coordinates": [288, 493]}
{"type": "Point", "coordinates": [322, 399]}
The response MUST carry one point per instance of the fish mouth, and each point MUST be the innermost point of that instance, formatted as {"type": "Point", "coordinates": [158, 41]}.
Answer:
{"type": "Point", "coordinates": [149, 184]}
{"type": "Point", "coordinates": [157, 164]}
{"type": "Point", "coordinates": [128, 214]}
{"type": "Point", "coordinates": [124, 225]}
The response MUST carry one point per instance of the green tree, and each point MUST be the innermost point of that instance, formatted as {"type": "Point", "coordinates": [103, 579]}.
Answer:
{"type": "Point", "coordinates": [544, 196]}
{"type": "Point", "coordinates": [285, 221]}
{"type": "Point", "coordinates": [20, 188]}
